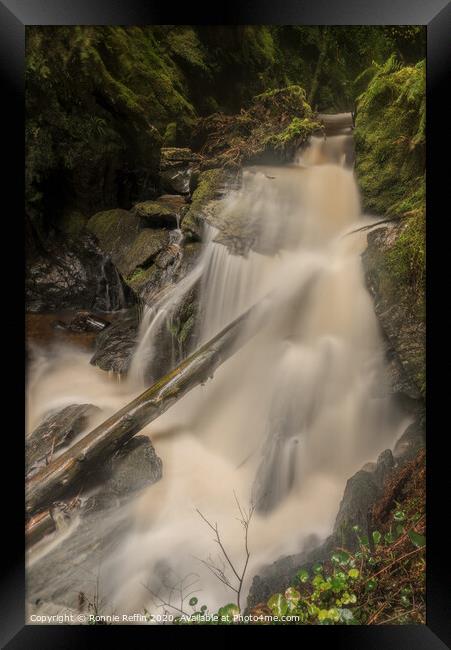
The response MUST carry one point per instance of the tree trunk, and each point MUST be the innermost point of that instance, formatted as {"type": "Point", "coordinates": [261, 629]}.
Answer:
{"type": "Point", "coordinates": [319, 65]}
{"type": "Point", "coordinates": [63, 473]}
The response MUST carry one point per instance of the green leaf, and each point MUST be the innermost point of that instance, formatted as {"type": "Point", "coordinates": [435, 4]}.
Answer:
{"type": "Point", "coordinates": [303, 575]}
{"type": "Point", "coordinates": [341, 557]}
{"type": "Point", "coordinates": [376, 537]}
{"type": "Point", "coordinates": [323, 614]}
{"type": "Point", "coordinates": [417, 540]}
{"type": "Point", "coordinates": [278, 605]}
{"type": "Point", "coordinates": [371, 584]}
{"type": "Point", "coordinates": [399, 515]}
{"type": "Point", "coordinates": [346, 616]}
{"type": "Point", "coordinates": [193, 601]}
{"type": "Point", "coordinates": [353, 573]}
{"type": "Point", "coordinates": [317, 568]}
{"type": "Point", "coordinates": [226, 614]}
{"type": "Point", "coordinates": [389, 538]}
{"type": "Point", "coordinates": [292, 595]}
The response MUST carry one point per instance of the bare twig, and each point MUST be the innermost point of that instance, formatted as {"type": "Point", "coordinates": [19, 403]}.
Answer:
{"type": "Point", "coordinates": [218, 572]}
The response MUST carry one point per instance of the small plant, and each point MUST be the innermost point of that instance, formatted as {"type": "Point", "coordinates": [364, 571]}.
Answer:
{"type": "Point", "coordinates": [384, 574]}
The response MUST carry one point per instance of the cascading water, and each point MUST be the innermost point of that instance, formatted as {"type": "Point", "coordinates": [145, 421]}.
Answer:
{"type": "Point", "coordinates": [287, 420]}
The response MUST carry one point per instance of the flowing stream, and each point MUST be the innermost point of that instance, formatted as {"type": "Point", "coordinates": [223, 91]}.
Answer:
{"type": "Point", "coordinates": [283, 424]}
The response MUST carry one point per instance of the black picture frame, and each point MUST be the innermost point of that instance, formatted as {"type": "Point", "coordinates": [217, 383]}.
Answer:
{"type": "Point", "coordinates": [14, 16]}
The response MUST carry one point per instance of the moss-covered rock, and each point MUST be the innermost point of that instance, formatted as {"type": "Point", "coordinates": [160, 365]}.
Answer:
{"type": "Point", "coordinates": [158, 214]}
{"type": "Point", "coordinates": [120, 235]}
{"type": "Point", "coordinates": [390, 168]}
{"type": "Point", "coordinates": [390, 138]}
{"type": "Point", "coordinates": [399, 299]}
{"type": "Point", "coordinates": [210, 186]}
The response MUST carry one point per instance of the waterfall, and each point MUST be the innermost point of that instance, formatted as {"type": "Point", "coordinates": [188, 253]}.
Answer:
{"type": "Point", "coordinates": [287, 420]}
{"type": "Point", "coordinates": [294, 414]}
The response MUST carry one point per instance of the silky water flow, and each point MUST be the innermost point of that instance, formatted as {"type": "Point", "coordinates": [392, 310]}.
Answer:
{"type": "Point", "coordinates": [282, 424]}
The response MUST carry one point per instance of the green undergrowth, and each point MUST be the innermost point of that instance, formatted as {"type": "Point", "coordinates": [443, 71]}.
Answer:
{"type": "Point", "coordinates": [276, 123]}
{"type": "Point", "coordinates": [390, 138]}
{"type": "Point", "coordinates": [390, 168]}
{"type": "Point", "coordinates": [381, 582]}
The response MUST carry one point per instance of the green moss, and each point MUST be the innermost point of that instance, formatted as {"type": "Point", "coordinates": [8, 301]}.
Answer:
{"type": "Point", "coordinates": [390, 137]}
{"type": "Point", "coordinates": [170, 135]}
{"type": "Point", "coordinates": [276, 122]}
{"type": "Point", "coordinates": [105, 223]}
{"type": "Point", "coordinates": [72, 223]}
{"type": "Point", "coordinates": [208, 185]}
{"type": "Point", "coordinates": [390, 167]}
{"type": "Point", "coordinates": [298, 131]}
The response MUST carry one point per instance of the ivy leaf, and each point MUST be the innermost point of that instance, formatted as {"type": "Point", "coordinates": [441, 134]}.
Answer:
{"type": "Point", "coordinates": [278, 605]}
{"type": "Point", "coordinates": [292, 595]}
{"type": "Point", "coordinates": [227, 613]}
{"type": "Point", "coordinates": [376, 537]}
{"type": "Point", "coordinates": [341, 557]}
{"type": "Point", "coordinates": [346, 616]}
{"type": "Point", "coordinates": [317, 568]}
{"type": "Point", "coordinates": [303, 575]}
{"type": "Point", "coordinates": [399, 515]}
{"type": "Point", "coordinates": [417, 540]}
{"type": "Point", "coordinates": [371, 584]}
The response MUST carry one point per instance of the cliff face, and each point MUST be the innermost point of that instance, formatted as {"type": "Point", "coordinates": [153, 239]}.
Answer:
{"type": "Point", "coordinates": [390, 168]}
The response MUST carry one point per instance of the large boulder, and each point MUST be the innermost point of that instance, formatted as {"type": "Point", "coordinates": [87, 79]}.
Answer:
{"type": "Point", "coordinates": [164, 212]}
{"type": "Point", "coordinates": [176, 167]}
{"type": "Point", "coordinates": [74, 274]}
{"type": "Point", "coordinates": [211, 187]}
{"type": "Point", "coordinates": [116, 343]}
{"type": "Point", "coordinates": [56, 431]}
{"type": "Point", "coordinates": [133, 467]}
{"type": "Point", "coordinates": [121, 234]}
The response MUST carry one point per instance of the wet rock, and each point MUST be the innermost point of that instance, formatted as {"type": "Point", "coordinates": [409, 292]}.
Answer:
{"type": "Point", "coordinates": [277, 576]}
{"type": "Point", "coordinates": [56, 431]}
{"type": "Point", "coordinates": [400, 311]}
{"type": "Point", "coordinates": [74, 274]}
{"type": "Point", "coordinates": [410, 442]}
{"type": "Point", "coordinates": [176, 166]}
{"type": "Point", "coordinates": [212, 184]}
{"type": "Point", "coordinates": [75, 569]}
{"type": "Point", "coordinates": [85, 321]}
{"type": "Point", "coordinates": [116, 343]}
{"type": "Point", "coordinates": [134, 466]}
{"type": "Point", "coordinates": [171, 265]}
{"type": "Point", "coordinates": [164, 212]}
{"type": "Point", "coordinates": [360, 493]}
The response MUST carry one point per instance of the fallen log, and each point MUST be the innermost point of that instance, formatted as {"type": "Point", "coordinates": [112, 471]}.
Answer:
{"type": "Point", "coordinates": [66, 471]}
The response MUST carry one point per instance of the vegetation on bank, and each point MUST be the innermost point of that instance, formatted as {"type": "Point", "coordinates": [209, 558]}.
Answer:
{"type": "Point", "coordinates": [101, 100]}
{"type": "Point", "coordinates": [391, 166]}
{"type": "Point", "coordinates": [381, 581]}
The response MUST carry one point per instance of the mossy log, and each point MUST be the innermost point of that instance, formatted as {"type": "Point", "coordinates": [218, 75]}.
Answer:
{"type": "Point", "coordinates": [66, 471]}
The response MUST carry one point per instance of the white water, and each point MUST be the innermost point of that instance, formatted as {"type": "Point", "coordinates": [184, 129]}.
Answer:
{"type": "Point", "coordinates": [285, 422]}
